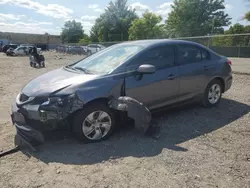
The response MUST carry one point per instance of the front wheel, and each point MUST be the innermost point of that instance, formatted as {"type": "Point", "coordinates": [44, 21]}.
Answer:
{"type": "Point", "coordinates": [42, 64]}
{"type": "Point", "coordinates": [212, 95]}
{"type": "Point", "coordinates": [89, 53]}
{"type": "Point", "coordinates": [94, 123]}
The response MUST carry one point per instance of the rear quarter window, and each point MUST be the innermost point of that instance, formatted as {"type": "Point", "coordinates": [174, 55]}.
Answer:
{"type": "Point", "coordinates": [188, 53]}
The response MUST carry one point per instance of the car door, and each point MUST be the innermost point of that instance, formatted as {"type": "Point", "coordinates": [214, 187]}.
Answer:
{"type": "Point", "coordinates": [90, 48]}
{"type": "Point", "coordinates": [194, 65]}
{"type": "Point", "coordinates": [95, 48]}
{"type": "Point", "coordinates": [25, 50]}
{"type": "Point", "coordinates": [17, 51]}
{"type": "Point", "coordinates": [158, 89]}
{"type": "Point", "coordinates": [21, 51]}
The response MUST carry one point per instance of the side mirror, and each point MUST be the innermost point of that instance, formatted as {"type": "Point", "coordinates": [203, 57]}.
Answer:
{"type": "Point", "coordinates": [146, 69]}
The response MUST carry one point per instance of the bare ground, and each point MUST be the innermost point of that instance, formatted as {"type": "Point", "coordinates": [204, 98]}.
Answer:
{"type": "Point", "coordinates": [198, 147]}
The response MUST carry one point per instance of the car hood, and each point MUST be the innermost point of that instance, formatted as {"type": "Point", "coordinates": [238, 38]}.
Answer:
{"type": "Point", "coordinates": [54, 81]}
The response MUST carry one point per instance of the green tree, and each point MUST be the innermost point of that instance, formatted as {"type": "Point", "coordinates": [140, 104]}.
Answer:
{"type": "Point", "coordinates": [236, 29]}
{"type": "Point", "coordinates": [147, 27]}
{"type": "Point", "coordinates": [247, 16]}
{"type": "Point", "coordinates": [247, 38]}
{"type": "Point", "coordinates": [85, 39]}
{"type": "Point", "coordinates": [114, 23]}
{"type": "Point", "coordinates": [94, 33]}
{"type": "Point", "coordinates": [72, 32]}
{"type": "Point", "coordinates": [196, 18]}
{"type": "Point", "coordinates": [233, 40]}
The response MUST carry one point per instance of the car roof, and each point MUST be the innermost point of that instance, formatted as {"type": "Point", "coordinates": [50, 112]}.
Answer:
{"type": "Point", "coordinates": [155, 42]}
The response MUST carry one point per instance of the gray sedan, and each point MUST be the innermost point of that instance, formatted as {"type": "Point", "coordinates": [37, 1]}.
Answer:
{"type": "Point", "coordinates": [158, 73]}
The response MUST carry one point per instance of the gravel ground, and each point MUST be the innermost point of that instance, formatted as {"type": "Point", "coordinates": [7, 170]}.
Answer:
{"type": "Point", "coordinates": [198, 147]}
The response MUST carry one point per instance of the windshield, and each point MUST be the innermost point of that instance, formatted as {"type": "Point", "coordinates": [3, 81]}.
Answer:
{"type": "Point", "coordinates": [108, 59]}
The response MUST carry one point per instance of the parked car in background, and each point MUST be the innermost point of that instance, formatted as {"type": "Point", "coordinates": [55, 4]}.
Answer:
{"type": "Point", "coordinates": [75, 50]}
{"type": "Point", "coordinates": [23, 50]}
{"type": "Point", "coordinates": [28, 45]}
{"type": "Point", "coordinates": [7, 46]}
{"type": "Point", "coordinates": [61, 49]}
{"type": "Point", "coordinates": [10, 52]}
{"type": "Point", "coordinates": [93, 48]}
{"type": "Point", "coordinates": [84, 46]}
{"type": "Point", "coordinates": [158, 73]}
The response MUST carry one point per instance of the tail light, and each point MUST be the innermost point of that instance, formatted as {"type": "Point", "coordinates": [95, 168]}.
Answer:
{"type": "Point", "coordinates": [229, 62]}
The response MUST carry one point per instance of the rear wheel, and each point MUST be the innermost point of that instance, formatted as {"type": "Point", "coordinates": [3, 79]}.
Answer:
{"type": "Point", "coordinates": [213, 92]}
{"type": "Point", "coordinates": [94, 123]}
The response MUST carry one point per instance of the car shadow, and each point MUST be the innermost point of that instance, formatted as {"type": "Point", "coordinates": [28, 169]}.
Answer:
{"type": "Point", "coordinates": [177, 126]}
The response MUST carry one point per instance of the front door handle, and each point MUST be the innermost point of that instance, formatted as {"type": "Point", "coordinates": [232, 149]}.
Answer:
{"type": "Point", "coordinates": [171, 77]}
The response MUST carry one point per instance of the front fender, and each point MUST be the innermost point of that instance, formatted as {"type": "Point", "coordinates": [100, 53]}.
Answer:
{"type": "Point", "coordinates": [104, 89]}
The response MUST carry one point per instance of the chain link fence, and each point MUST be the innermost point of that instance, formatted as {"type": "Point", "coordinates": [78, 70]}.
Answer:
{"type": "Point", "coordinates": [231, 45]}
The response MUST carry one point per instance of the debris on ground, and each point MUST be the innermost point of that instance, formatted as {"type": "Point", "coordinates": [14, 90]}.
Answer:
{"type": "Point", "coordinates": [58, 57]}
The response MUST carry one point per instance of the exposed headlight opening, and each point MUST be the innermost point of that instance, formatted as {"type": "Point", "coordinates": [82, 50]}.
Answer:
{"type": "Point", "coordinates": [53, 101]}
{"type": "Point", "coordinates": [58, 100]}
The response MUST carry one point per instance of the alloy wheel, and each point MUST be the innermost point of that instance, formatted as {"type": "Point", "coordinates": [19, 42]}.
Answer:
{"type": "Point", "coordinates": [96, 125]}
{"type": "Point", "coordinates": [214, 93]}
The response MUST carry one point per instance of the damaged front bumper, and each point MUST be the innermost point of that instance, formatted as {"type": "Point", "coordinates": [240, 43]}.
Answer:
{"type": "Point", "coordinates": [32, 119]}
{"type": "Point", "coordinates": [25, 134]}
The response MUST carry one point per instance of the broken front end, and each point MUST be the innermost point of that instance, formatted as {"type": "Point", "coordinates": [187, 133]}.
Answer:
{"type": "Point", "coordinates": [31, 116]}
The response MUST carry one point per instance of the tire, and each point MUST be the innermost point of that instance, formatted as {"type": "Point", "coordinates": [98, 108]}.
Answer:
{"type": "Point", "coordinates": [89, 53]}
{"type": "Point", "coordinates": [42, 58]}
{"type": "Point", "coordinates": [42, 64]}
{"type": "Point", "coordinates": [80, 123]}
{"type": "Point", "coordinates": [212, 94]}
{"type": "Point", "coordinates": [31, 64]}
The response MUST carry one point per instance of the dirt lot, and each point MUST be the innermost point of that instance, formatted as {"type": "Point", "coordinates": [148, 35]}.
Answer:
{"type": "Point", "coordinates": [198, 147]}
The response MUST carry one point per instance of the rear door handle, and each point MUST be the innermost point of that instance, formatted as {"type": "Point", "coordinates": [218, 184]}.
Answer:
{"type": "Point", "coordinates": [207, 67]}
{"type": "Point", "coordinates": [171, 77]}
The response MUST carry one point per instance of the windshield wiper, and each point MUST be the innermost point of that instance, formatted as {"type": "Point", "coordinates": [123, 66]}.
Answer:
{"type": "Point", "coordinates": [86, 71]}
{"type": "Point", "coordinates": [82, 69]}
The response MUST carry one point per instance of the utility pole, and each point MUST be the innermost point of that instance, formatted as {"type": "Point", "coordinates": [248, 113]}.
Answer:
{"type": "Point", "coordinates": [212, 31]}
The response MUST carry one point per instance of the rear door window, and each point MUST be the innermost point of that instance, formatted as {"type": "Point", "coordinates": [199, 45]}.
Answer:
{"type": "Point", "coordinates": [188, 54]}
{"type": "Point", "coordinates": [191, 54]}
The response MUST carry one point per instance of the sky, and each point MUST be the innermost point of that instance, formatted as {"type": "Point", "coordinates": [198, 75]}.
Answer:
{"type": "Point", "coordinates": [41, 16]}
